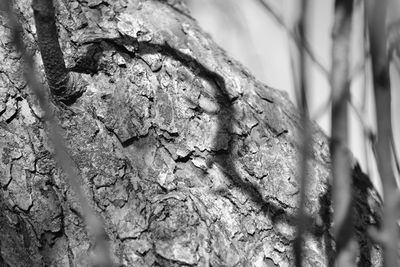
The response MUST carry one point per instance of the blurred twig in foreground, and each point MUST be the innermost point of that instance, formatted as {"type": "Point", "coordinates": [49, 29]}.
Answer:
{"type": "Point", "coordinates": [340, 155]}
{"type": "Point", "coordinates": [299, 69]}
{"type": "Point", "coordinates": [299, 40]}
{"type": "Point", "coordinates": [93, 223]}
{"type": "Point", "coordinates": [388, 235]}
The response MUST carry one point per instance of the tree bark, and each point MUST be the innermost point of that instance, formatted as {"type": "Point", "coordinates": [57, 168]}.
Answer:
{"type": "Point", "coordinates": [189, 160]}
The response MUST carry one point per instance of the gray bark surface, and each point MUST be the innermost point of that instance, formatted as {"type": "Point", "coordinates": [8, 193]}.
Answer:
{"type": "Point", "coordinates": [189, 160]}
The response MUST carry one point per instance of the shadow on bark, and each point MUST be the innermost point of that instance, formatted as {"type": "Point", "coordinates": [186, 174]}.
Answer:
{"type": "Point", "coordinates": [225, 159]}
{"type": "Point", "coordinates": [361, 215]}
{"type": "Point", "coordinates": [222, 157]}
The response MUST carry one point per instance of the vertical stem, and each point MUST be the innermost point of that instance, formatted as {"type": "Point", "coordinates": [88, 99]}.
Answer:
{"type": "Point", "coordinates": [341, 161]}
{"type": "Point", "coordinates": [365, 49]}
{"type": "Point", "coordinates": [376, 12]}
{"type": "Point", "coordinates": [306, 139]}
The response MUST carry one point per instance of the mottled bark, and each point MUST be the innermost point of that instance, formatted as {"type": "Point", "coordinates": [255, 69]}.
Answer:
{"type": "Point", "coordinates": [188, 159]}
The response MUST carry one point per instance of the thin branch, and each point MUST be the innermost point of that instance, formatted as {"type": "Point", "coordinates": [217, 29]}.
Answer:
{"type": "Point", "coordinates": [62, 85]}
{"type": "Point", "coordinates": [301, 42]}
{"type": "Point", "coordinates": [367, 130]}
{"type": "Point", "coordinates": [340, 155]}
{"type": "Point", "coordinates": [366, 60]}
{"type": "Point", "coordinates": [324, 107]}
{"type": "Point", "coordinates": [93, 223]}
{"type": "Point", "coordinates": [306, 133]}
{"type": "Point", "coordinates": [381, 81]}
{"type": "Point", "coordinates": [369, 136]}
{"type": "Point", "coordinates": [360, 67]}
{"type": "Point", "coordinates": [396, 157]}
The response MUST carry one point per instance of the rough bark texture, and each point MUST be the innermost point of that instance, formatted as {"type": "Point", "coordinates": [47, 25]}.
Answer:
{"type": "Point", "coordinates": [189, 160]}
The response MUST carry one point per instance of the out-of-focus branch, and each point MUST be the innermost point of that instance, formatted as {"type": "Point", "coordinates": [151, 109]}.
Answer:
{"type": "Point", "coordinates": [369, 135]}
{"type": "Point", "coordinates": [93, 223]}
{"type": "Point", "coordinates": [376, 12]}
{"type": "Point", "coordinates": [393, 31]}
{"type": "Point", "coordinates": [340, 155]}
{"type": "Point", "coordinates": [367, 129]}
{"type": "Point", "coordinates": [396, 157]}
{"type": "Point", "coordinates": [301, 42]}
{"type": "Point", "coordinates": [63, 85]}
{"type": "Point", "coordinates": [306, 136]}
{"type": "Point", "coordinates": [360, 67]}
{"type": "Point", "coordinates": [393, 44]}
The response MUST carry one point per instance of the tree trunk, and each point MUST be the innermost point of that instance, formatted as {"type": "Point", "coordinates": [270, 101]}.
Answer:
{"type": "Point", "coordinates": [189, 159]}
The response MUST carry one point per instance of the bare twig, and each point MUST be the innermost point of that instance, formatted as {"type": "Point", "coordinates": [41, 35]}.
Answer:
{"type": "Point", "coordinates": [369, 136]}
{"type": "Point", "coordinates": [367, 129]}
{"type": "Point", "coordinates": [396, 157]}
{"type": "Point", "coordinates": [360, 67]}
{"type": "Point", "coordinates": [93, 223]}
{"type": "Point", "coordinates": [393, 44]}
{"type": "Point", "coordinates": [306, 137]}
{"type": "Point", "coordinates": [303, 44]}
{"type": "Point", "coordinates": [341, 168]}
{"type": "Point", "coordinates": [62, 84]}
{"type": "Point", "coordinates": [376, 12]}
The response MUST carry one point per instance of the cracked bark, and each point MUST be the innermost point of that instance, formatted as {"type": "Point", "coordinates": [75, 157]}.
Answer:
{"type": "Point", "coordinates": [187, 157]}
